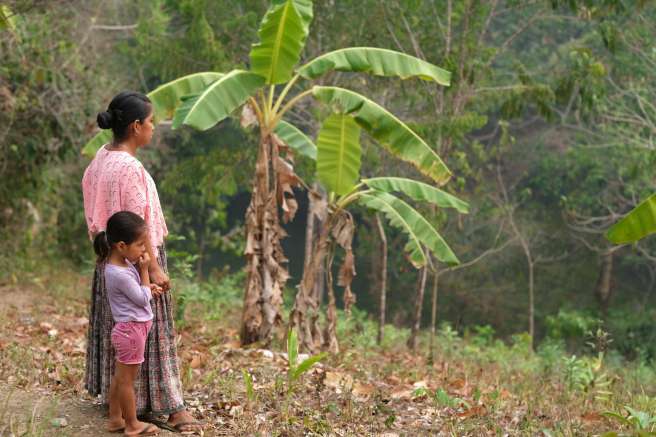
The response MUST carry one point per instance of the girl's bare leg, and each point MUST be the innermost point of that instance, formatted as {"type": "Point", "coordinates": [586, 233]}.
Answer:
{"type": "Point", "coordinates": [124, 378]}
{"type": "Point", "coordinates": [115, 422]}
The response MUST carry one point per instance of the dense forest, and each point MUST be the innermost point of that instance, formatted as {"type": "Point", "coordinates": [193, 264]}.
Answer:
{"type": "Point", "coordinates": [546, 123]}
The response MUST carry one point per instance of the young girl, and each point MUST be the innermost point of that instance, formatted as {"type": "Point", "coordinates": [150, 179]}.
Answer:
{"type": "Point", "coordinates": [129, 291]}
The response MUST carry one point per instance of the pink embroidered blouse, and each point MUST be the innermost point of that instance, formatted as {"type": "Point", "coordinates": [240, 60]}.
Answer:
{"type": "Point", "coordinates": [117, 181]}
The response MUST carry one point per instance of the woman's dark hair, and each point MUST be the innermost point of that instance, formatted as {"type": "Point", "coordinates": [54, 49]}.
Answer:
{"type": "Point", "coordinates": [122, 226]}
{"type": "Point", "coordinates": [125, 108]}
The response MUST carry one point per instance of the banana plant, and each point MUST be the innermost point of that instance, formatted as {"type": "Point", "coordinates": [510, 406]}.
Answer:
{"type": "Point", "coordinates": [338, 169]}
{"type": "Point", "coordinates": [275, 83]}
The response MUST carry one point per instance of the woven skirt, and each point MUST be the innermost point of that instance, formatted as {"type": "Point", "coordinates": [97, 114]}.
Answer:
{"type": "Point", "coordinates": [157, 388]}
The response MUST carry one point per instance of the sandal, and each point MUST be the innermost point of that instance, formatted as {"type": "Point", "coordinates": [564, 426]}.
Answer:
{"type": "Point", "coordinates": [178, 427]}
{"type": "Point", "coordinates": [150, 429]}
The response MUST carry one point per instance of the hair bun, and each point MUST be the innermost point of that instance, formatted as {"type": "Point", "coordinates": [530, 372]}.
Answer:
{"type": "Point", "coordinates": [105, 120]}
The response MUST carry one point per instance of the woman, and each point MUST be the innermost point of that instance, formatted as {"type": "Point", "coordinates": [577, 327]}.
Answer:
{"type": "Point", "coordinates": [117, 181]}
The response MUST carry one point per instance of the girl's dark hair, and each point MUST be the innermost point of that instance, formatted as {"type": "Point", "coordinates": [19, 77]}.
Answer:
{"type": "Point", "coordinates": [123, 226]}
{"type": "Point", "coordinates": [124, 108]}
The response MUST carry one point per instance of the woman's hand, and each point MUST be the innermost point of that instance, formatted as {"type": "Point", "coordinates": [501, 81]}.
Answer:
{"type": "Point", "coordinates": [160, 278]}
{"type": "Point", "coordinates": [156, 290]}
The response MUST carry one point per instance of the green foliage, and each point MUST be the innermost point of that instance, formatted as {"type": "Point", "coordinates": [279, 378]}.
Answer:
{"type": "Point", "coordinates": [282, 37]}
{"type": "Point", "coordinates": [248, 381]}
{"type": "Point", "coordinates": [484, 335]}
{"type": "Point", "coordinates": [442, 399]}
{"type": "Point", "coordinates": [586, 374]}
{"type": "Point", "coordinates": [636, 225]}
{"type": "Point", "coordinates": [640, 422]}
{"type": "Point", "coordinates": [394, 135]}
{"type": "Point", "coordinates": [634, 333]}
{"type": "Point", "coordinates": [297, 140]}
{"type": "Point", "coordinates": [218, 100]}
{"type": "Point", "coordinates": [338, 153]}
{"type": "Point", "coordinates": [570, 325]}
{"type": "Point", "coordinates": [374, 61]}
{"type": "Point", "coordinates": [419, 231]}
{"type": "Point", "coordinates": [418, 191]}
{"type": "Point", "coordinates": [295, 369]}
{"type": "Point", "coordinates": [214, 298]}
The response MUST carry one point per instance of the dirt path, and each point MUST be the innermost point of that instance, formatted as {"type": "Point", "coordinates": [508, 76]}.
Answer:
{"type": "Point", "coordinates": [42, 353]}
{"type": "Point", "coordinates": [40, 413]}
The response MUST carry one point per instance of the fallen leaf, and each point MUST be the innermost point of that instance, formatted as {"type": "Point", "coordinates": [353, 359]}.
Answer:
{"type": "Point", "coordinates": [402, 393]}
{"type": "Point", "coordinates": [248, 116]}
{"type": "Point", "coordinates": [362, 392]}
{"type": "Point", "coordinates": [338, 380]}
{"type": "Point", "coordinates": [591, 416]}
{"type": "Point", "coordinates": [196, 362]}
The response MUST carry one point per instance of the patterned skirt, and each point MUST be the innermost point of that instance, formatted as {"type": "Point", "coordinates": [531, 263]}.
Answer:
{"type": "Point", "coordinates": [157, 388]}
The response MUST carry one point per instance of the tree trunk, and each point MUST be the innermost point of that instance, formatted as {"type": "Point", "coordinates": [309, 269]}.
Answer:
{"type": "Point", "coordinates": [330, 337]}
{"type": "Point", "coordinates": [383, 280]}
{"type": "Point", "coordinates": [304, 316]}
{"type": "Point", "coordinates": [319, 208]}
{"type": "Point", "coordinates": [604, 287]}
{"type": "Point", "coordinates": [309, 233]}
{"type": "Point", "coordinates": [531, 302]}
{"type": "Point", "coordinates": [266, 274]}
{"type": "Point", "coordinates": [412, 341]}
{"type": "Point", "coordinates": [431, 354]}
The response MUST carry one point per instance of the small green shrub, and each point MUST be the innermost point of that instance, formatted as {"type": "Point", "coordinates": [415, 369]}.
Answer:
{"type": "Point", "coordinates": [571, 326]}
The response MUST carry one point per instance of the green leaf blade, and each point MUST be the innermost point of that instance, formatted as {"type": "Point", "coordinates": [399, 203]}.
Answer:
{"type": "Point", "coordinates": [292, 349]}
{"type": "Point", "coordinates": [376, 61]}
{"type": "Point", "coordinates": [636, 225]}
{"type": "Point", "coordinates": [395, 136]}
{"type": "Point", "coordinates": [296, 139]}
{"type": "Point", "coordinates": [283, 32]}
{"type": "Point", "coordinates": [338, 153]}
{"type": "Point", "coordinates": [419, 230]}
{"type": "Point", "coordinates": [307, 364]}
{"type": "Point", "coordinates": [418, 191]}
{"type": "Point", "coordinates": [218, 100]}
{"type": "Point", "coordinates": [166, 98]}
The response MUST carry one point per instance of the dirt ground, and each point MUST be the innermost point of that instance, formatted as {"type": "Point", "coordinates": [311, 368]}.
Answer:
{"type": "Point", "coordinates": [28, 403]}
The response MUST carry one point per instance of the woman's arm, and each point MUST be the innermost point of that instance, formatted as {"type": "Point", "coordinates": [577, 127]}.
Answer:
{"type": "Point", "coordinates": [157, 275]}
{"type": "Point", "coordinates": [135, 199]}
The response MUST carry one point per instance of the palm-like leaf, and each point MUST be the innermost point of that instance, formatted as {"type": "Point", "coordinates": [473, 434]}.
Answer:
{"type": "Point", "coordinates": [165, 99]}
{"type": "Point", "coordinates": [388, 130]}
{"type": "Point", "coordinates": [282, 33]}
{"type": "Point", "coordinates": [218, 100]}
{"type": "Point", "coordinates": [338, 153]}
{"type": "Point", "coordinates": [407, 219]}
{"type": "Point", "coordinates": [307, 365]}
{"type": "Point", "coordinates": [418, 191]}
{"type": "Point", "coordinates": [304, 9]}
{"type": "Point", "coordinates": [637, 224]}
{"type": "Point", "coordinates": [297, 140]}
{"type": "Point", "coordinates": [376, 61]}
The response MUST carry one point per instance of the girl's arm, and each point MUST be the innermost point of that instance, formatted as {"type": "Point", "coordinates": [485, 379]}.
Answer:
{"type": "Point", "coordinates": [140, 295]}
{"type": "Point", "coordinates": [144, 264]}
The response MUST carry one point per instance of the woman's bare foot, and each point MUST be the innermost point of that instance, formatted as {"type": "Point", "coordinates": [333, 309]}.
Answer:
{"type": "Point", "coordinates": [183, 421]}
{"type": "Point", "coordinates": [115, 425]}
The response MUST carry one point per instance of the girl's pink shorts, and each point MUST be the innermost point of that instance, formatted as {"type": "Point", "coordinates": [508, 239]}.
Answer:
{"type": "Point", "coordinates": [129, 341]}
